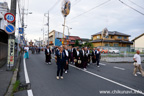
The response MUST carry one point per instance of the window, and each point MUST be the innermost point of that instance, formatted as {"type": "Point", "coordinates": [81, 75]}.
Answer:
{"type": "Point", "coordinates": [98, 37]}
{"type": "Point", "coordinates": [111, 37]}
{"type": "Point", "coordinates": [119, 37]}
{"type": "Point", "coordinates": [107, 37]}
{"type": "Point", "coordinates": [106, 44]}
{"type": "Point", "coordinates": [125, 37]}
{"type": "Point", "coordinates": [116, 45]}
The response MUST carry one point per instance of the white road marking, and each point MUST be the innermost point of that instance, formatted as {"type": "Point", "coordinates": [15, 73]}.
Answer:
{"type": "Point", "coordinates": [122, 85]}
{"type": "Point", "coordinates": [25, 72]}
{"type": "Point", "coordinates": [118, 68]}
{"type": "Point", "coordinates": [30, 93]}
{"type": "Point", "coordinates": [102, 64]}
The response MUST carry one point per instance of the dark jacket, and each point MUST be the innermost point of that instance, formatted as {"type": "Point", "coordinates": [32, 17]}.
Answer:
{"type": "Point", "coordinates": [98, 55]}
{"type": "Point", "coordinates": [46, 52]}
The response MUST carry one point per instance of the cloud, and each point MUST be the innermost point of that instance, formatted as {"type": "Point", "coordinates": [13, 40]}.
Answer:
{"type": "Point", "coordinates": [113, 15]}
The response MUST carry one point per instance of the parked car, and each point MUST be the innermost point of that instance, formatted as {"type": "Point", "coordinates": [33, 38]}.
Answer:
{"type": "Point", "coordinates": [114, 51]}
{"type": "Point", "coordinates": [103, 50]}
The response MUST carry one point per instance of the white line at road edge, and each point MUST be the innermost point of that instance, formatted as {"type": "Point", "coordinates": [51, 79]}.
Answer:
{"type": "Point", "coordinates": [118, 68]}
{"type": "Point", "coordinates": [109, 80]}
{"type": "Point", "coordinates": [102, 64]}
{"type": "Point", "coordinates": [30, 93]}
{"type": "Point", "coordinates": [25, 72]}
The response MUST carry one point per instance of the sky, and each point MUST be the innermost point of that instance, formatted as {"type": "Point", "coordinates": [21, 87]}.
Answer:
{"type": "Point", "coordinates": [113, 15]}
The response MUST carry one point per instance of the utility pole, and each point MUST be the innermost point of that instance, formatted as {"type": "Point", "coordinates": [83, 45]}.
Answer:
{"type": "Point", "coordinates": [23, 23]}
{"type": "Point", "coordinates": [48, 28]}
{"type": "Point", "coordinates": [11, 39]}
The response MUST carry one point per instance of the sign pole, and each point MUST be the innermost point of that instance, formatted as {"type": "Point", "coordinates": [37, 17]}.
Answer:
{"type": "Point", "coordinates": [11, 39]}
{"type": "Point", "coordinates": [63, 31]}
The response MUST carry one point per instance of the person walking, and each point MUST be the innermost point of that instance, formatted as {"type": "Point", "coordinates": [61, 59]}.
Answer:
{"type": "Point", "coordinates": [94, 56]}
{"type": "Point", "coordinates": [66, 64]}
{"type": "Point", "coordinates": [88, 51]}
{"type": "Point", "coordinates": [137, 63]}
{"type": "Point", "coordinates": [84, 57]}
{"type": "Point", "coordinates": [48, 55]}
{"type": "Point", "coordinates": [98, 57]}
{"type": "Point", "coordinates": [26, 49]}
{"type": "Point", "coordinates": [60, 55]}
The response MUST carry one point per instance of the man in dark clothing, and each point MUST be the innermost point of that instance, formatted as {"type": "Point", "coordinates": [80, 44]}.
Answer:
{"type": "Point", "coordinates": [93, 55]}
{"type": "Point", "coordinates": [61, 57]}
{"type": "Point", "coordinates": [48, 55]}
{"type": "Point", "coordinates": [98, 57]}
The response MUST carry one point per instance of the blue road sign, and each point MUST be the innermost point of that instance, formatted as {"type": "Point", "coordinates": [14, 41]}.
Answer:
{"type": "Point", "coordinates": [9, 29]}
{"type": "Point", "coordinates": [21, 37]}
{"type": "Point", "coordinates": [21, 30]}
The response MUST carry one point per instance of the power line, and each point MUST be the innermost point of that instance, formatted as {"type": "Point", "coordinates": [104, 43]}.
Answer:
{"type": "Point", "coordinates": [51, 8]}
{"type": "Point", "coordinates": [131, 7]}
{"type": "Point", "coordinates": [136, 4]}
{"type": "Point", "coordinates": [90, 9]}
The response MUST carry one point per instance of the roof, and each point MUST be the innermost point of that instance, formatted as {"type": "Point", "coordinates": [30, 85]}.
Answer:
{"type": "Point", "coordinates": [113, 33]}
{"type": "Point", "coordinates": [120, 41]}
{"type": "Point", "coordinates": [138, 37]}
{"type": "Point", "coordinates": [74, 38]}
{"type": "Point", "coordinates": [85, 39]}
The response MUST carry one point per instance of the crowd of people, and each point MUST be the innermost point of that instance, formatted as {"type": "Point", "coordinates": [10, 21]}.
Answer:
{"type": "Point", "coordinates": [80, 57]}
{"type": "Point", "coordinates": [64, 55]}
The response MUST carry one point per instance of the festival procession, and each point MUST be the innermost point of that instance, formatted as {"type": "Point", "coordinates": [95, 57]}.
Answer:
{"type": "Point", "coordinates": [71, 48]}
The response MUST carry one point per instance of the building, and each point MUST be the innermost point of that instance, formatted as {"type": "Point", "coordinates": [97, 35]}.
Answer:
{"type": "Point", "coordinates": [54, 38]}
{"type": "Point", "coordinates": [3, 9]}
{"type": "Point", "coordinates": [3, 35]}
{"type": "Point", "coordinates": [138, 42]}
{"type": "Point", "coordinates": [72, 39]}
{"type": "Point", "coordinates": [85, 40]}
{"type": "Point", "coordinates": [114, 39]}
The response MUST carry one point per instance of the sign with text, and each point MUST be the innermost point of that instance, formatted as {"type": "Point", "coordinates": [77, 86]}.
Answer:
{"type": "Point", "coordinates": [11, 45]}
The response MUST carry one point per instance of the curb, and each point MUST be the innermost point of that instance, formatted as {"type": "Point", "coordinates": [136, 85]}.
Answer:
{"type": "Point", "coordinates": [14, 78]}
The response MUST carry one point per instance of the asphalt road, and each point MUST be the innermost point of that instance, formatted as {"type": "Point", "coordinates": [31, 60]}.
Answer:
{"type": "Point", "coordinates": [109, 77]}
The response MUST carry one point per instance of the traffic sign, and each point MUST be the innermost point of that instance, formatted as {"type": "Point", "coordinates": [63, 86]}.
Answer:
{"type": "Point", "coordinates": [21, 37]}
{"type": "Point", "coordinates": [21, 30]}
{"type": "Point", "coordinates": [9, 29]}
{"type": "Point", "coordinates": [9, 17]}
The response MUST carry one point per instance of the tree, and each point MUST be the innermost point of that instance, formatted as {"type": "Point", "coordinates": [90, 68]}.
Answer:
{"type": "Point", "coordinates": [88, 44]}
{"type": "Point", "coordinates": [77, 43]}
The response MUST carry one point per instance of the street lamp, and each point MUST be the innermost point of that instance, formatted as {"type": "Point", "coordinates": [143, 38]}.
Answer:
{"type": "Point", "coordinates": [68, 29]}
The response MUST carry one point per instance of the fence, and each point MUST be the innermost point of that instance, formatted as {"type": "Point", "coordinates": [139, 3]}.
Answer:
{"type": "Point", "coordinates": [3, 50]}
{"type": "Point", "coordinates": [120, 51]}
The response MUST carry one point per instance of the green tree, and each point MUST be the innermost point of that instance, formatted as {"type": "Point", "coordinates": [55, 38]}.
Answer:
{"type": "Point", "coordinates": [88, 44]}
{"type": "Point", "coordinates": [77, 43]}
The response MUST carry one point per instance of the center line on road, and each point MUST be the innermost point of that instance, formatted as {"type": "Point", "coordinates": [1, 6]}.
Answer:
{"type": "Point", "coordinates": [119, 68]}
{"type": "Point", "coordinates": [122, 85]}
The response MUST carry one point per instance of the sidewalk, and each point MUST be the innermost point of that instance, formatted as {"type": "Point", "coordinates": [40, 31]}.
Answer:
{"type": "Point", "coordinates": [5, 78]}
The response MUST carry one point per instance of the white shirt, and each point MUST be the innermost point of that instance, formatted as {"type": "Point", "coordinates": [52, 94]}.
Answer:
{"type": "Point", "coordinates": [26, 48]}
{"type": "Point", "coordinates": [88, 51]}
{"type": "Point", "coordinates": [77, 53]}
{"type": "Point", "coordinates": [97, 52]}
{"type": "Point", "coordinates": [66, 53]}
{"type": "Point", "coordinates": [138, 58]}
{"type": "Point", "coordinates": [83, 52]}
{"type": "Point", "coordinates": [48, 50]}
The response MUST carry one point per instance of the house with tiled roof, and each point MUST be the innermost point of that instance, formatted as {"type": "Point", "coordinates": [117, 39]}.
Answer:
{"type": "Point", "coordinates": [114, 39]}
